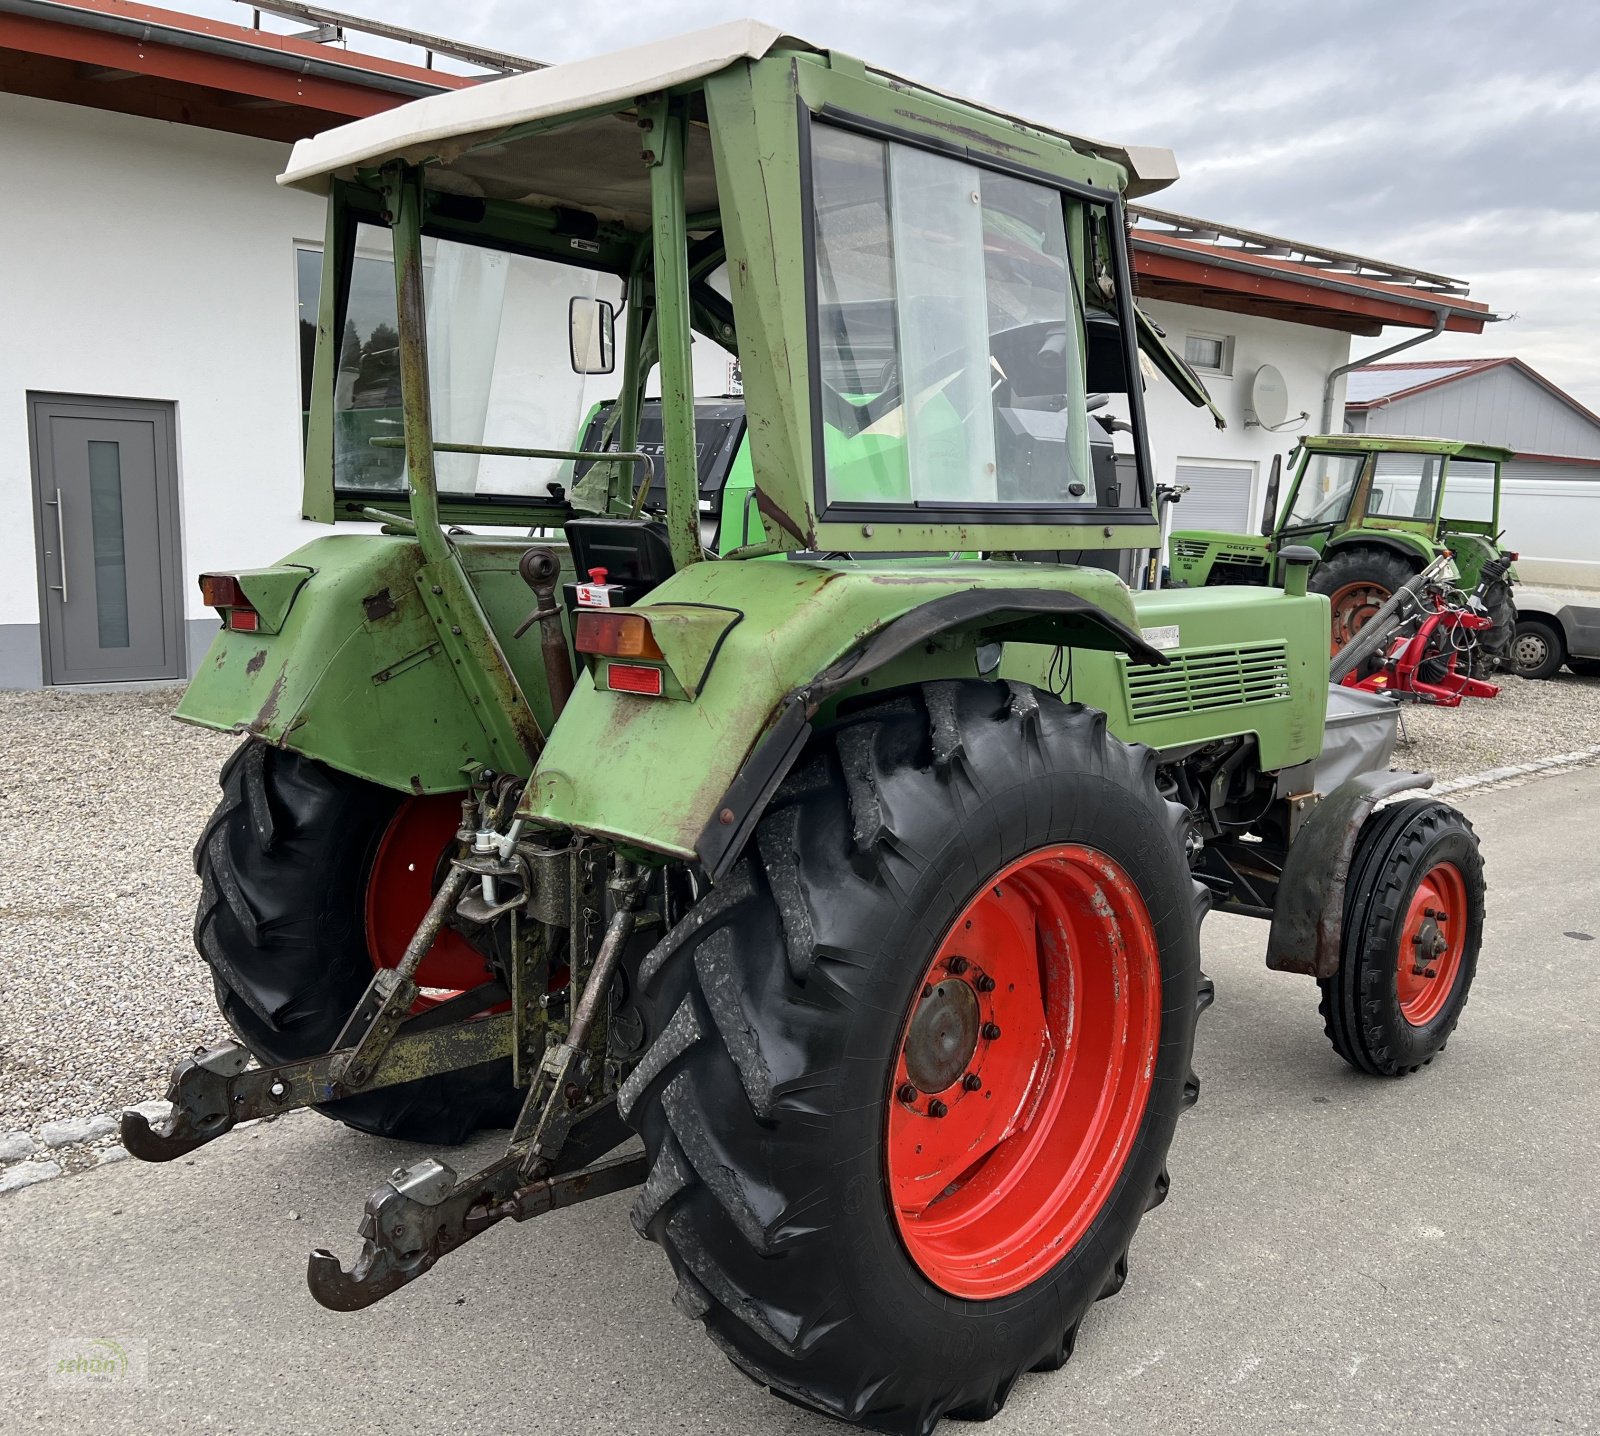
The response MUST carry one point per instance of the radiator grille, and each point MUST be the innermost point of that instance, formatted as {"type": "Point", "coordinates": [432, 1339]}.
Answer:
{"type": "Point", "coordinates": [1189, 548]}
{"type": "Point", "coordinates": [1198, 548]}
{"type": "Point", "coordinates": [1203, 680]}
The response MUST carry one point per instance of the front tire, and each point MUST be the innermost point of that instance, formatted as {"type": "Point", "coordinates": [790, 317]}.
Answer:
{"type": "Point", "coordinates": [1413, 924]}
{"type": "Point", "coordinates": [286, 868]}
{"type": "Point", "coordinates": [813, 1009]}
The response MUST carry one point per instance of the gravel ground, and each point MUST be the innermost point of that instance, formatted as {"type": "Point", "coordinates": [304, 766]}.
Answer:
{"type": "Point", "coordinates": [102, 796]}
{"type": "Point", "coordinates": [1528, 720]}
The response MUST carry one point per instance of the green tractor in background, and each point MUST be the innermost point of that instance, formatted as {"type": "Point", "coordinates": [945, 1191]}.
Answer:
{"type": "Point", "coordinates": [834, 878]}
{"type": "Point", "coordinates": [1379, 510]}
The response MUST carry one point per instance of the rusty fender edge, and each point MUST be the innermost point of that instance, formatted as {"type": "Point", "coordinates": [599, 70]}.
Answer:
{"type": "Point", "coordinates": [1308, 913]}
{"type": "Point", "coordinates": [724, 837]}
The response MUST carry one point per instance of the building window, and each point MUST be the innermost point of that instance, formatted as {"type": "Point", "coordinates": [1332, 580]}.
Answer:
{"type": "Point", "coordinates": [1209, 353]}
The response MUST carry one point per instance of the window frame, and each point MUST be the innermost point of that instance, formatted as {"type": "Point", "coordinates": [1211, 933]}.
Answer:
{"type": "Point", "coordinates": [353, 204]}
{"type": "Point", "coordinates": [1061, 515]}
{"type": "Point", "coordinates": [1224, 370]}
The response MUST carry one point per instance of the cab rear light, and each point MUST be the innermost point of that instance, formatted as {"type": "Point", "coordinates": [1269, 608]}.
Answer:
{"type": "Point", "coordinates": [223, 592]}
{"type": "Point", "coordinates": [615, 635]}
{"type": "Point", "coordinates": [633, 678]}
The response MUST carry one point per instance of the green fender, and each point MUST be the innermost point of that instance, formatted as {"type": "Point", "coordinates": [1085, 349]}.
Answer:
{"type": "Point", "coordinates": [1408, 545]}
{"type": "Point", "coordinates": [688, 778]}
{"type": "Point", "coordinates": [357, 674]}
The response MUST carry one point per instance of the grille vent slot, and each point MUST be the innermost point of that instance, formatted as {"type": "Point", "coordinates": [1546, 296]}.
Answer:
{"type": "Point", "coordinates": [1206, 679]}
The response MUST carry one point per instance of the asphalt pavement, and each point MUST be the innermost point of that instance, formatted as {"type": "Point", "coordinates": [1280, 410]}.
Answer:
{"type": "Point", "coordinates": [1339, 1253]}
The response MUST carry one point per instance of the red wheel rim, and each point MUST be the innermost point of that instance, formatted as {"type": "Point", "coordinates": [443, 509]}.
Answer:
{"type": "Point", "coordinates": [1042, 1008]}
{"type": "Point", "coordinates": [405, 875]}
{"type": "Point", "coordinates": [1432, 940]}
{"type": "Point", "coordinates": [1351, 607]}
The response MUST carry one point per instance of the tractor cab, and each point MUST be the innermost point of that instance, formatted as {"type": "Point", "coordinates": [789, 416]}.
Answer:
{"type": "Point", "coordinates": [1378, 509]}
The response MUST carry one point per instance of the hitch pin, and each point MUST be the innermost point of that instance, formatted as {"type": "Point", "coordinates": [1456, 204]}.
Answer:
{"type": "Point", "coordinates": [486, 841]}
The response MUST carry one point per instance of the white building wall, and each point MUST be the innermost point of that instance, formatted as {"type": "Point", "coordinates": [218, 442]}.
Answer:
{"type": "Point", "coordinates": [1181, 433]}
{"type": "Point", "coordinates": [149, 260]}
{"type": "Point", "coordinates": [153, 261]}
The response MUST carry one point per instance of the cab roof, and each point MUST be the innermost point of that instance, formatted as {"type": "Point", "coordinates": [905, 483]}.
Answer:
{"type": "Point", "coordinates": [1406, 444]}
{"type": "Point", "coordinates": [594, 165]}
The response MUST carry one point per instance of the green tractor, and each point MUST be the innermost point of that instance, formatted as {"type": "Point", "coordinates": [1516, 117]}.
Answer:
{"type": "Point", "coordinates": [1379, 509]}
{"type": "Point", "coordinates": [840, 889]}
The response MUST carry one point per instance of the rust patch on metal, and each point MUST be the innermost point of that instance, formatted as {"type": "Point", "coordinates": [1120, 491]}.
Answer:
{"type": "Point", "coordinates": [379, 605]}
{"type": "Point", "coordinates": [269, 710]}
{"type": "Point", "coordinates": [254, 666]}
{"type": "Point", "coordinates": [416, 786]}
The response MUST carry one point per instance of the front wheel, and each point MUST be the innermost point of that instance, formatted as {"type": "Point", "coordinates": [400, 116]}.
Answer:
{"type": "Point", "coordinates": [1413, 923]}
{"type": "Point", "coordinates": [917, 1060]}
{"type": "Point", "coordinates": [310, 879]}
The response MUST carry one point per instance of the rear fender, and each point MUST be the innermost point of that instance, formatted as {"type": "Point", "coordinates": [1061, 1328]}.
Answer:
{"type": "Point", "coordinates": [689, 778]}
{"type": "Point", "coordinates": [355, 674]}
{"type": "Point", "coordinates": [1411, 547]}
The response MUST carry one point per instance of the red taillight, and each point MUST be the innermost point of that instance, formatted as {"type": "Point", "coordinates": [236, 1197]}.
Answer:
{"type": "Point", "coordinates": [633, 678]}
{"type": "Point", "coordinates": [615, 635]}
{"type": "Point", "coordinates": [222, 590]}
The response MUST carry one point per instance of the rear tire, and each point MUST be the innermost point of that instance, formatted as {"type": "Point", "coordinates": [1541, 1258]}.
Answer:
{"type": "Point", "coordinates": [780, 1014]}
{"type": "Point", "coordinates": [1357, 581]}
{"type": "Point", "coordinates": [1538, 651]}
{"type": "Point", "coordinates": [1404, 974]}
{"type": "Point", "coordinates": [284, 865]}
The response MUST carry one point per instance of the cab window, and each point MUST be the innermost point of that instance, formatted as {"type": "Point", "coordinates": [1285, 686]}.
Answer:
{"type": "Point", "coordinates": [1404, 486]}
{"type": "Point", "coordinates": [949, 336]}
{"type": "Point", "coordinates": [1325, 489]}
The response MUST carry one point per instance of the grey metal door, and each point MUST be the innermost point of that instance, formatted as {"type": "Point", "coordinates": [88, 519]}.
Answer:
{"type": "Point", "coordinates": [106, 525]}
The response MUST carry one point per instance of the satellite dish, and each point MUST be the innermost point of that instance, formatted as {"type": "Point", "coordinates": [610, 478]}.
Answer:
{"type": "Point", "coordinates": [1269, 398]}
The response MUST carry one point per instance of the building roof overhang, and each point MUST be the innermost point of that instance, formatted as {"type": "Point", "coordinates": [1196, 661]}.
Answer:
{"type": "Point", "coordinates": [1190, 261]}
{"type": "Point", "coordinates": [144, 60]}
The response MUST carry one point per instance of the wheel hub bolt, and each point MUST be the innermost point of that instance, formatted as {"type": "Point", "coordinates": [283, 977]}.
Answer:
{"type": "Point", "coordinates": [991, 1030]}
{"type": "Point", "coordinates": [907, 1092]}
{"type": "Point", "coordinates": [972, 1081]}
{"type": "Point", "coordinates": [985, 983]}
{"type": "Point", "coordinates": [936, 1108]}
{"type": "Point", "coordinates": [957, 965]}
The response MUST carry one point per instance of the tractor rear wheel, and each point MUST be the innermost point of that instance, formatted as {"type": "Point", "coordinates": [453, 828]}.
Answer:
{"type": "Point", "coordinates": [1413, 922]}
{"type": "Point", "coordinates": [917, 1059]}
{"type": "Point", "coordinates": [309, 879]}
{"type": "Point", "coordinates": [1358, 582]}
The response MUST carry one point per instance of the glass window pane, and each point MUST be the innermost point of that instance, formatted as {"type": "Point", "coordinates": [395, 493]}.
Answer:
{"type": "Point", "coordinates": [949, 339]}
{"type": "Point", "coordinates": [110, 554]}
{"type": "Point", "coordinates": [499, 371]}
{"type": "Point", "coordinates": [1325, 488]}
{"type": "Point", "coordinates": [941, 316]}
{"type": "Point", "coordinates": [1469, 491]}
{"type": "Point", "coordinates": [1404, 486]}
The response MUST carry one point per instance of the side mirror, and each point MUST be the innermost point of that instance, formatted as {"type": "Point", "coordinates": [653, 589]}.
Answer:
{"type": "Point", "coordinates": [1269, 506]}
{"type": "Point", "coordinates": [592, 335]}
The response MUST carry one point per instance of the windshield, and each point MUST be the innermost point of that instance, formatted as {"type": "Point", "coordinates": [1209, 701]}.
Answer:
{"type": "Point", "coordinates": [950, 349]}
{"type": "Point", "coordinates": [499, 370]}
{"type": "Point", "coordinates": [1323, 493]}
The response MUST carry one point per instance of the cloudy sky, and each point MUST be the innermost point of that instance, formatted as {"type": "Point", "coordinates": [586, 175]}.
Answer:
{"type": "Point", "coordinates": [1462, 138]}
